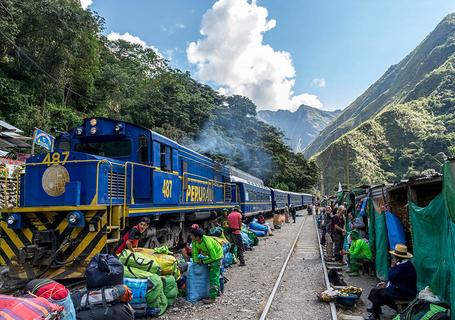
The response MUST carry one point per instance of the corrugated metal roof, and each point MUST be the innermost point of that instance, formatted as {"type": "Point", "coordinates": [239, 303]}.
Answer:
{"type": "Point", "coordinates": [9, 127]}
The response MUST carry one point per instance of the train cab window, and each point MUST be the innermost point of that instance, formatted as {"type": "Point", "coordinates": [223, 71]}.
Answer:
{"type": "Point", "coordinates": [165, 158]}
{"type": "Point", "coordinates": [110, 149]}
{"type": "Point", "coordinates": [143, 150]}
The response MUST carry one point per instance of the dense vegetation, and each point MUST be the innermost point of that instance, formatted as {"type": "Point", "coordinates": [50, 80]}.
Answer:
{"type": "Point", "coordinates": [404, 123]}
{"type": "Point", "coordinates": [56, 68]}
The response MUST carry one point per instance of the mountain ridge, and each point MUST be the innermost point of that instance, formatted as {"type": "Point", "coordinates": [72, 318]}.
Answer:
{"type": "Point", "coordinates": [392, 87]}
{"type": "Point", "coordinates": [300, 127]}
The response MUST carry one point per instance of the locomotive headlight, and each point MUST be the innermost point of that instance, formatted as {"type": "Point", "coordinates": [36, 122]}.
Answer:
{"type": "Point", "coordinates": [93, 130]}
{"type": "Point", "coordinates": [79, 131]}
{"type": "Point", "coordinates": [76, 219]}
{"type": "Point", "coordinates": [11, 220]}
{"type": "Point", "coordinates": [14, 221]}
{"type": "Point", "coordinates": [118, 127]}
{"type": "Point", "coordinates": [93, 122]}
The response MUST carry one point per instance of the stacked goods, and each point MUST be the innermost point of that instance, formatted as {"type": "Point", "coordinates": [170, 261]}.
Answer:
{"type": "Point", "coordinates": [140, 261]}
{"type": "Point", "coordinates": [28, 308]}
{"type": "Point", "coordinates": [170, 288]}
{"type": "Point", "coordinates": [140, 288]}
{"type": "Point", "coordinates": [155, 297]}
{"type": "Point", "coordinates": [197, 283]}
{"type": "Point", "coordinates": [351, 290]}
{"type": "Point", "coordinates": [55, 293]}
{"type": "Point", "coordinates": [106, 296]}
{"type": "Point", "coordinates": [252, 236]}
{"type": "Point", "coordinates": [9, 185]}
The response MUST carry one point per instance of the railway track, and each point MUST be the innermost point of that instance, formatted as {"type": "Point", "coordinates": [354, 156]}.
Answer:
{"type": "Point", "coordinates": [302, 275]}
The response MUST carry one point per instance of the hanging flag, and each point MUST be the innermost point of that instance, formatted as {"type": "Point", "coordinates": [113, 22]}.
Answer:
{"type": "Point", "coordinates": [43, 139]}
{"type": "Point", "coordinates": [340, 189]}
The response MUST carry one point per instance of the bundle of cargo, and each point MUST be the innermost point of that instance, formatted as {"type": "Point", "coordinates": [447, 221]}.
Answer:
{"type": "Point", "coordinates": [259, 229]}
{"type": "Point", "coordinates": [28, 308]}
{"type": "Point", "coordinates": [153, 273]}
{"type": "Point", "coordinates": [55, 293]}
{"type": "Point", "coordinates": [9, 185]}
{"type": "Point", "coordinates": [105, 296]}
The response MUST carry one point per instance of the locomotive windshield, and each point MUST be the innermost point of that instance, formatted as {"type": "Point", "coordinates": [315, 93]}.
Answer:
{"type": "Point", "coordinates": [109, 149]}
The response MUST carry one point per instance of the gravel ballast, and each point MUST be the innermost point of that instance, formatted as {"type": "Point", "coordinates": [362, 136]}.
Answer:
{"type": "Point", "coordinates": [249, 287]}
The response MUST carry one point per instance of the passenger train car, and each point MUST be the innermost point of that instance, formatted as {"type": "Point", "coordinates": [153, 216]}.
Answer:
{"type": "Point", "coordinates": [104, 175]}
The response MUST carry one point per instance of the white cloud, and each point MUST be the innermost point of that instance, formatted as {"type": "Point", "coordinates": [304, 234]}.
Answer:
{"type": "Point", "coordinates": [233, 55]}
{"type": "Point", "coordinates": [318, 82]}
{"type": "Point", "coordinates": [113, 36]}
{"type": "Point", "coordinates": [86, 3]}
{"type": "Point", "coordinates": [171, 30]}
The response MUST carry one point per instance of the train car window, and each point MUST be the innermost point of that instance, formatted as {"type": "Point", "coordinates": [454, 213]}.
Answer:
{"type": "Point", "coordinates": [165, 158]}
{"type": "Point", "coordinates": [63, 145]}
{"type": "Point", "coordinates": [143, 150]}
{"type": "Point", "coordinates": [110, 149]}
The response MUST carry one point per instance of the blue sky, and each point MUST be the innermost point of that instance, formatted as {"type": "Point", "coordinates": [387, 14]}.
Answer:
{"type": "Point", "coordinates": [337, 48]}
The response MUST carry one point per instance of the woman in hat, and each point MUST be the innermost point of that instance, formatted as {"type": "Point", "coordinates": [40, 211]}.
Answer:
{"type": "Point", "coordinates": [402, 283]}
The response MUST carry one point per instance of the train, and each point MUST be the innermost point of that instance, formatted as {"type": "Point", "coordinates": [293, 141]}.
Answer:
{"type": "Point", "coordinates": [103, 176]}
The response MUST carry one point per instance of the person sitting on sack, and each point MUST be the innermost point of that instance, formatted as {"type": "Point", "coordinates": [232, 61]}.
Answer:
{"type": "Point", "coordinates": [131, 239]}
{"type": "Point", "coordinates": [359, 252]}
{"type": "Point", "coordinates": [206, 250]}
{"type": "Point", "coordinates": [402, 283]}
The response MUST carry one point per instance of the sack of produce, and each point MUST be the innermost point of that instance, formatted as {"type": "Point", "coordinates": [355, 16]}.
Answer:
{"type": "Point", "coordinates": [228, 259]}
{"type": "Point", "coordinates": [28, 308]}
{"type": "Point", "coordinates": [170, 289]}
{"type": "Point", "coordinates": [139, 288]}
{"type": "Point", "coordinates": [119, 311]}
{"type": "Point", "coordinates": [168, 264]}
{"type": "Point", "coordinates": [139, 260]}
{"type": "Point", "coordinates": [197, 282]}
{"type": "Point", "coordinates": [155, 297]}
{"type": "Point", "coordinates": [258, 226]}
{"type": "Point", "coordinates": [246, 239]}
{"type": "Point", "coordinates": [104, 270]}
{"type": "Point", "coordinates": [259, 233]}
{"type": "Point", "coordinates": [55, 293]}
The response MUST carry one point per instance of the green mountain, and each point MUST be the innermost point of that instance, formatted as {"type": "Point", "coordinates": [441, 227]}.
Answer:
{"type": "Point", "coordinates": [301, 126]}
{"type": "Point", "coordinates": [403, 124]}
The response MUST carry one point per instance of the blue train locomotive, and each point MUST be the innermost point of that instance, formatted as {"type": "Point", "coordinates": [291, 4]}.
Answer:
{"type": "Point", "coordinates": [105, 175]}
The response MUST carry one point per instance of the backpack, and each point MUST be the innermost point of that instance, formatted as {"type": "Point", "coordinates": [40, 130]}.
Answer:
{"type": "Point", "coordinates": [424, 310]}
{"type": "Point", "coordinates": [101, 297]}
{"type": "Point", "coordinates": [120, 311]}
{"type": "Point", "coordinates": [104, 270]}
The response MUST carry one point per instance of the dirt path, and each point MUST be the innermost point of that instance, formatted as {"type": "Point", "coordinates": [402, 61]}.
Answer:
{"type": "Point", "coordinates": [249, 287]}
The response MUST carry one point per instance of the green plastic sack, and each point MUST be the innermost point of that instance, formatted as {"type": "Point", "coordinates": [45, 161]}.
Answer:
{"type": "Point", "coordinates": [162, 250]}
{"type": "Point", "coordinates": [139, 261]}
{"type": "Point", "coordinates": [170, 289]}
{"type": "Point", "coordinates": [155, 297]}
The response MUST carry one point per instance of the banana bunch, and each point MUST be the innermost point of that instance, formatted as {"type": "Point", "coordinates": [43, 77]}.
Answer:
{"type": "Point", "coordinates": [350, 290]}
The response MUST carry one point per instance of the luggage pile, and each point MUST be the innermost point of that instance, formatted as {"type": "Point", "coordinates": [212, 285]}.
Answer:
{"type": "Point", "coordinates": [261, 230]}
{"type": "Point", "coordinates": [105, 295]}
{"type": "Point", "coordinates": [29, 308]}
{"type": "Point", "coordinates": [151, 274]}
{"type": "Point", "coordinates": [53, 292]}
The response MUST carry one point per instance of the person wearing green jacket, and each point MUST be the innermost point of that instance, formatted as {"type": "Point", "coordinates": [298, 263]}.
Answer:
{"type": "Point", "coordinates": [359, 252]}
{"type": "Point", "coordinates": [208, 251]}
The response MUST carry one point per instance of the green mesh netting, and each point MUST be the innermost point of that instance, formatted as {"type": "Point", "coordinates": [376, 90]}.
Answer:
{"type": "Point", "coordinates": [448, 188]}
{"type": "Point", "coordinates": [433, 236]}
{"type": "Point", "coordinates": [381, 241]}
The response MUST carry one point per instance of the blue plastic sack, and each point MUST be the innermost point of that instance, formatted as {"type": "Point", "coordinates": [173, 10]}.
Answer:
{"type": "Point", "coordinates": [258, 227]}
{"type": "Point", "coordinates": [228, 259]}
{"type": "Point", "coordinates": [246, 240]}
{"type": "Point", "coordinates": [139, 289]}
{"type": "Point", "coordinates": [197, 282]}
{"type": "Point", "coordinates": [395, 230]}
{"type": "Point", "coordinates": [259, 233]}
{"type": "Point", "coordinates": [69, 313]}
